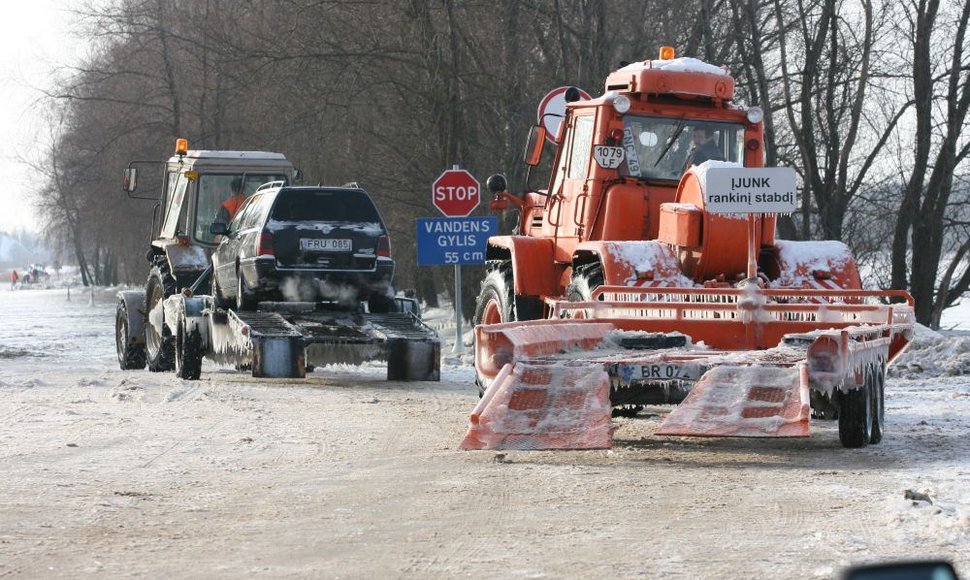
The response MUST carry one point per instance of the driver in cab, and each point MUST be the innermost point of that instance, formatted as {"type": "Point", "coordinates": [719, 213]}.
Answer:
{"type": "Point", "coordinates": [705, 147]}
{"type": "Point", "coordinates": [229, 207]}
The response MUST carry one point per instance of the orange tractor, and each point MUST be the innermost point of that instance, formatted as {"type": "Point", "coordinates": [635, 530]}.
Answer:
{"type": "Point", "coordinates": [649, 273]}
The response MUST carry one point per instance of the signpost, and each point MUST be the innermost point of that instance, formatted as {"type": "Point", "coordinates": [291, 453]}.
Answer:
{"type": "Point", "coordinates": [456, 193]}
{"type": "Point", "coordinates": [751, 191]}
{"type": "Point", "coordinates": [456, 239]}
{"type": "Point", "coordinates": [447, 241]}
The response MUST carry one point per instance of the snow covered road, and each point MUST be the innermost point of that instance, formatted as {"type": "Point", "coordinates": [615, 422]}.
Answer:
{"type": "Point", "coordinates": [134, 474]}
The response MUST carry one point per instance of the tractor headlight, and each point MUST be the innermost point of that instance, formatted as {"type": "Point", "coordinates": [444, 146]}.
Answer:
{"type": "Point", "coordinates": [755, 115]}
{"type": "Point", "coordinates": [621, 103]}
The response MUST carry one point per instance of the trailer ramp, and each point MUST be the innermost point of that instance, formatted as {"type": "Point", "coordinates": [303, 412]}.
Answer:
{"type": "Point", "coordinates": [543, 406]}
{"type": "Point", "coordinates": [744, 401]}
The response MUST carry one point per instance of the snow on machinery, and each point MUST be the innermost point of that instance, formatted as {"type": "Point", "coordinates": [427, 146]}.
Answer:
{"type": "Point", "coordinates": [624, 287]}
{"type": "Point", "coordinates": [174, 323]}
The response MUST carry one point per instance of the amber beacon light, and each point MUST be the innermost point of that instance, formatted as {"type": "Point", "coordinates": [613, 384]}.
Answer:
{"type": "Point", "coordinates": [181, 146]}
{"type": "Point", "coordinates": [666, 53]}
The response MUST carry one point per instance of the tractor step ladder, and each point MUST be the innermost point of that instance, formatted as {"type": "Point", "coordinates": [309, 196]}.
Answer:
{"type": "Point", "coordinates": [744, 401]}
{"type": "Point", "coordinates": [536, 406]}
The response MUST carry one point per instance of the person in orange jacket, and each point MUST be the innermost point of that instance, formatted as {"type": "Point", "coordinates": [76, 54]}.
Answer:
{"type": "Point", "coordinates": [231, 205]}
{"type": "Point", "coordinates": [14, 277]}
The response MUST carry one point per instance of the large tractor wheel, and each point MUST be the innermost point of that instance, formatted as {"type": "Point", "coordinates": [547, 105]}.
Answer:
{"type": "Point", "coordinates": [495, 300]}
{"type": "Point", "coordinates": [585, 279]}
{"type": "Point", "coordinates": [159, 342]}
{"type": "Point", "coordinates": [494, 304]}
{"type": "Point", "coordinates": [188, 353]}
{"type": "Point", "coordinates": [856, 413]}
{"type": "Point", "coordinates": [131, 352]}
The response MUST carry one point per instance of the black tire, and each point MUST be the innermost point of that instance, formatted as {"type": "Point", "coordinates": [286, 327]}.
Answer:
{"type": "Point", "coordinates": [855, 414]}
{"type": "Point", "coordinates": [245, 298]}
{"type": "Point", "coordinates": [380, 303]}
{"type": "Point", "coordinates": [188, 353]}
{"type": "Point", "coordinates": [130, 356]}
{"type": "Point", "coordinates": [160, 348]}
{"type": "Point", "coordinates": [494, 303]}
{"type": "Point", "coordinates": [495, 300]}
{"type": "Point", "coordinates": [878, 404]}
{"type": "Point", "coordinates": [585, 279]}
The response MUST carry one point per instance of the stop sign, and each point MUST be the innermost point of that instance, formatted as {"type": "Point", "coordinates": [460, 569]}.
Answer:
{"type": "Point", "coordinates": [455, 193]}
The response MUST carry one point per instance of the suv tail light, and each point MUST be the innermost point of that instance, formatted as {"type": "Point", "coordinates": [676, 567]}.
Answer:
{"type": "Point", "coordinates": [384, 246]}
{"type": "Point", "coordinates": [265, 245]}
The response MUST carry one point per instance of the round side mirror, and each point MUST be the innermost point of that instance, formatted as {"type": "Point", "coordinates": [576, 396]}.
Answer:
{"type": "Point", "coordinates": [497, 183]}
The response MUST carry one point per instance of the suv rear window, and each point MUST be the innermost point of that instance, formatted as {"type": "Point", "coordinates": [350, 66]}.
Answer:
{"type": "Point", "coordinates": [332, 206]}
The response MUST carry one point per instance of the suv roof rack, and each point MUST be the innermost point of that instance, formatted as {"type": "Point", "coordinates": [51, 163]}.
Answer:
{"type": "Point", "coordinates": [352, 184]}
{"type": "Point", "coordinates": [269, 184]}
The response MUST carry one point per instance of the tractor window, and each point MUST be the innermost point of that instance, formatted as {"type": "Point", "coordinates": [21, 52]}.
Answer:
{"type": "Point", "coordinates": [663, 148]}
{"type": "Point", "coordinates": [177, 184]}
{"type": "Point", "coordinates": [582, 144]}
{"type": "Point", "coordinates": [215, 190]}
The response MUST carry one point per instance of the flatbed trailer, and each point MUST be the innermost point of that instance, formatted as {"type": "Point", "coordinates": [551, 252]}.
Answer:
{"type": "Point", "coordinates": [747, 362]}
{"type": "Point", "coordinates": [283, 339]}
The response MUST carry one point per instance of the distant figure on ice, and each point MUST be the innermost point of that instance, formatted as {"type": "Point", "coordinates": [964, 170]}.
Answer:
{"type": "Point", "coordinates": [14, 277]}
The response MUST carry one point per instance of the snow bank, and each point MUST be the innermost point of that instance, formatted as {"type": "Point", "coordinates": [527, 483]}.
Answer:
{"type": "Point", "coordinates": [933, 354]}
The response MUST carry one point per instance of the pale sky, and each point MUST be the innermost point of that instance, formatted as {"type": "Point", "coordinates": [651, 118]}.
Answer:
{"type": "Point", "coordinates": [37, 39]}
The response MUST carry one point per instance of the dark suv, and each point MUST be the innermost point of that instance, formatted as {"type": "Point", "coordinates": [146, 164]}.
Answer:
{"type": "Point", "coordinates": [304, 244]}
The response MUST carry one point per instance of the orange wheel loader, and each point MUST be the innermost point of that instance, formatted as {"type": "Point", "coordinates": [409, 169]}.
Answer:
{"type": "Point", "coordinates": [648, 272]}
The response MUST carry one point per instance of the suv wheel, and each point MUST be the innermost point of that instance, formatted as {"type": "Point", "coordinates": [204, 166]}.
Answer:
{"type": "Point", "coordinates": [245, 298]}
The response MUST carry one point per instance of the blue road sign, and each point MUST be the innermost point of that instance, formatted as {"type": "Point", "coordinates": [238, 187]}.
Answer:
{"type": "Point", "coordinates": [454, 240]}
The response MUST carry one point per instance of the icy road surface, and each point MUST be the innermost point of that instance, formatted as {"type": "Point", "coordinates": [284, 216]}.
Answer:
{"type": "Point", "coordinates": [134, 474]}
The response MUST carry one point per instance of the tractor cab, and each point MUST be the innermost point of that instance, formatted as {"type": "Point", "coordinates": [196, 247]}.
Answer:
{"type": "Point", "coordinates": [197, 186]}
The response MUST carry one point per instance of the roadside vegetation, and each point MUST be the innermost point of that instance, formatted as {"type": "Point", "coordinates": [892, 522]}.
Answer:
{"type": "Point", "coordinates": [867, 100]}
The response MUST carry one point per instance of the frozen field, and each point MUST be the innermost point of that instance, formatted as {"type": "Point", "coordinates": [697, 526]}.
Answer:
{"type": "Point", "coordinates": [110, 473]}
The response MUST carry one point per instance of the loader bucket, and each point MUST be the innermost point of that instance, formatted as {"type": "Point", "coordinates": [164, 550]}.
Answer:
{"type": "Point", "coordinates": [744, 401]}
{"type": "Point", "coordinates": [537, 406]}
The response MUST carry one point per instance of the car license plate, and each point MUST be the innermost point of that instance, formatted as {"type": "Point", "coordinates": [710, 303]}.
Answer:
{"type": "Point", "coordinates": [325, 245]}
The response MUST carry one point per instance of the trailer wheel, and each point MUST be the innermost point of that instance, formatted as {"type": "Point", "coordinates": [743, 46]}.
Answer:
{"type": "Point", "coordinates": [131, 355]}
{"type": "Point", "coordinates": [160, 345]}
{"type": "Point", "coordinates": [855, 414]}
{"type": "Point", "coordinates": [188, 353]}
{"type": "Point", "coordinates": [878, 404]}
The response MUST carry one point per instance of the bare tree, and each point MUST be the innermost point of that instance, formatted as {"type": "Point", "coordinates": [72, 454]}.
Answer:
{"type": "Point", "coordinates": [940, 75]}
